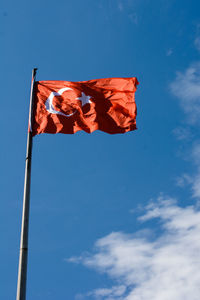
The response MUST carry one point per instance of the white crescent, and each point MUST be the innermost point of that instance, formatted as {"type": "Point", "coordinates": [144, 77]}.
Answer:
{"type": "Point", "coordinates": [49, 102]}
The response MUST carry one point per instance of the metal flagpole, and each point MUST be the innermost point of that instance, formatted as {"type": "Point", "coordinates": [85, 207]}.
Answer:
{"type": "Point", "coordinates": [23, 256]}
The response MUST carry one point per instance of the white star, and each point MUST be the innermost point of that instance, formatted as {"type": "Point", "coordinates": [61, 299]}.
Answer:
{"type": "Point", "coordinates": [84, 99]}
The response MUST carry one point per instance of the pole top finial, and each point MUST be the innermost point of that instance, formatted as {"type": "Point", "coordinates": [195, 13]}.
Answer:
{"type": "Point", "coordinates": [34, 71]}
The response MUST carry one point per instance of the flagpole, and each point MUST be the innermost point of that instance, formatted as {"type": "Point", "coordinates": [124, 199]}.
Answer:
{"type": "Point", "coordinates": [23, 255]}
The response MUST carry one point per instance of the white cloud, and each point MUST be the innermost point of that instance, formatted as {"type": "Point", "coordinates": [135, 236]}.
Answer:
{"type": "Point", "coordinates": [161, 266]}
{"type": "Point", "coordinates": [186, 88]}
{"type": "Point", "coordinates": [111, 293]}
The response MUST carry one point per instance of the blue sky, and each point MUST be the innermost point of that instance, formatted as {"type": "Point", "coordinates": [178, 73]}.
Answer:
{"type": "Point", "coordinates": [111, 217]}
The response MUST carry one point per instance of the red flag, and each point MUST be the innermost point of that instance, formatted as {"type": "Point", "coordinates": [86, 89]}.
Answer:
{"type": "Point", "coordinates": [67, 107]}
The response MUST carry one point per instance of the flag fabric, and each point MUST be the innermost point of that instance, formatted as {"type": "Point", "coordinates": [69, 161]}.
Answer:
{"type": "Point", "coordinates": [67, 107]}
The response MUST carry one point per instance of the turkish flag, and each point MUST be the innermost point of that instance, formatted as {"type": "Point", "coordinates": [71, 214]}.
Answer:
{"type": "Point", "coordinates": [67, 107]}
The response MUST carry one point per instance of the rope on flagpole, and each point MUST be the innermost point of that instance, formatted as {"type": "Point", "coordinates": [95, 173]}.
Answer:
{"type": "Point", "coordinates": [23, 256]}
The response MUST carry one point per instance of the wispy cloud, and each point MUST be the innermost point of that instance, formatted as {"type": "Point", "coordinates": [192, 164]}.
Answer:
{"type": "Point", "coordinates": [197, 43]}
{"type": "Point", "coordinates": [196, 178]}
{"type": "Point", "coordinates": [169, 52]}
{"type": "Point", "coordinates": [197, 40]}
{"type": "Point", "coordinates": [192, 180]}
{"type": "Point", "coordinates": [183, 180]}
{"type": "Point", "coordinates": [182, 133]}
{"type": "Point", "coordinates": [128, 7]}
{"type": "Point", "coordinates": [120, 6]}
{"type": "Point", "coordinates": [144, 266]}
{"type": "Point", "coordinates": [133, 18]}
{"type": "Point", "coordinates": [186, 87]}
